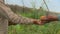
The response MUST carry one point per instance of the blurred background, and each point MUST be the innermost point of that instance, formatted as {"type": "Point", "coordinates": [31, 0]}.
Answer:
{"type": "Point", "coordinates": [34, 9]}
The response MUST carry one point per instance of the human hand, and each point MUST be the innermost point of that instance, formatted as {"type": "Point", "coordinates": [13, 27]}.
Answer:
{"type": "Point", "coordinates": [39, 22]}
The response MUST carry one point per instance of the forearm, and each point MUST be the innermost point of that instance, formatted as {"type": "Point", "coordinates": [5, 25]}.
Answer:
{"type": "Point", "coordinates": [14, 18]}
{"type": "Point", "coordinates": [19, 19]}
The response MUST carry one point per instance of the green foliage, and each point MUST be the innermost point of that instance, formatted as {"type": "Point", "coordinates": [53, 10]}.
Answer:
{"type": "Point", "coordinates": [49, 28]}
{"type": "Point", "coordinates": [34, 14]}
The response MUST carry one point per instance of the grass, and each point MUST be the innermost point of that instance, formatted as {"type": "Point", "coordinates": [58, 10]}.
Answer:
{"type": "Point", "coordinates": [49, 28]}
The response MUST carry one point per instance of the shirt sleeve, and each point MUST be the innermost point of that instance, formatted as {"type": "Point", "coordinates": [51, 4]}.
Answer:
{"type": "Point", "coordinates": [11, 16]}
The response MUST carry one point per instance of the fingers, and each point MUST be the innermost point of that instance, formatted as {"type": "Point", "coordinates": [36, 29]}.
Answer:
{"type": "Point", "coordinates": [39, 22]}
